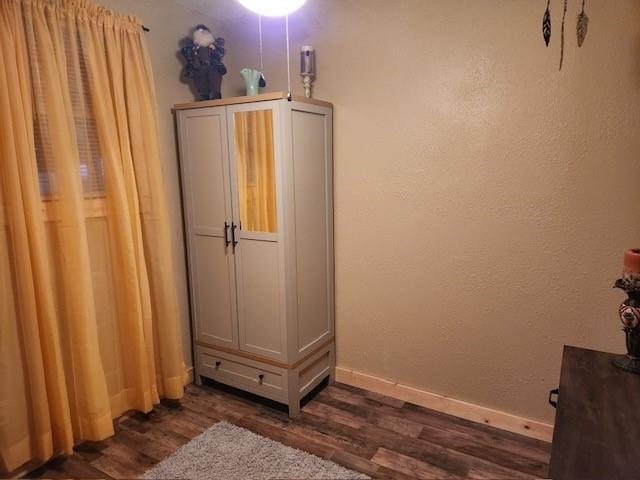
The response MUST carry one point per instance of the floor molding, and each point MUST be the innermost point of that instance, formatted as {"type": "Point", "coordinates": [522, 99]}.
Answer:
{"type": "Point", "coordinates": [441, 403]}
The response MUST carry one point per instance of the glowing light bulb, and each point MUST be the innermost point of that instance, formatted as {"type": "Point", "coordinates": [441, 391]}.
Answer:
{"type": "Point", "coordinates": [272, 8]}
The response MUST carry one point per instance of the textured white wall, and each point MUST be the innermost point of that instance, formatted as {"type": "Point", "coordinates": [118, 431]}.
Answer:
{"type": "Point", "coordinates": [483, 199]}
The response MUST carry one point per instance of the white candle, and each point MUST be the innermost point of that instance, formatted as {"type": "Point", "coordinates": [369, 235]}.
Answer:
{"type": "Point", "coordinates": [307, 60]}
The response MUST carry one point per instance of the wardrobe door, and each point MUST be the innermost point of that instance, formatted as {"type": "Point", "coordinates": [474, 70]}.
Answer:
{"type": "Point", "coordinates": [255, 184]}
{"type": "Point", "coordinates": [206, 189]}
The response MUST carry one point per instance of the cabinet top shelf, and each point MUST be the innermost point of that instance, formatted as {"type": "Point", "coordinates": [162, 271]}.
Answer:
{"type": "Point", "coordinates": [247, 99]}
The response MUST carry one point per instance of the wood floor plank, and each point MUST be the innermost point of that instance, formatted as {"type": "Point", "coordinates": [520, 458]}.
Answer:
{"type": "Point", "coordinates": [513, 442]}
{"type": "Point", "coordinates": [384, 473]}
{"type": "Point", "coordinates": [89, 451]}
{"type": "Point", "coordinates": [185, 426]}
{"type": "Point", "coordinates": [152, 447]}
{"type": "Point", "coordinates": [357, 405]}
{"type": "Point", "coordinates": [329, 435]}
{"type": "Point", "coordinates": [400, 425]}
{"type": "Point", "coordinates": [528, 448]}
{"type": "Point", "coordinates": [68, 467]}
{"type": "Point", "coordinates": [355, 463]}
{"type": "Point", "coordinates": [367, 440]}
{"type": "Point", "coordinates": [120, 461]}
{"type": "Point", "coordinates": [181, 422]}
{"type": "Point", "coordinates": [454, 462]}
{"type": "Point", "coordinates": [337, 415]}
{"type": "Point", "coordinates": [410, 466]}
{"type": "Point", "coordinates": [378, 397]}
{"type": "Point", "coordinates": [217, 406]}
{"type": "Point", "coordinates": [360, 430]}
{"type": "Point", "coordinates": [469, 445]}
{"type": "Point", "coordinates": [162, 434]}
{"type": "Point", "coordinates": [353, 440]}
{"type": "Point", "coordinates": [353, 397]}
{"type": "Point", "coordinates": [194, 418]}
{"type": "Point", "coordinates": [287, 437]}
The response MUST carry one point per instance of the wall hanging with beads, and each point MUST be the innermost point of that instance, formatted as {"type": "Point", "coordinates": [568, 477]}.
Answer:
{"type": "Point", "coordinates": [582, 25]}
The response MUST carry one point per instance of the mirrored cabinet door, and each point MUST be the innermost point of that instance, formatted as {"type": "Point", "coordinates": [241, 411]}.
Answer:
{"type": "Point", "coordinates": [253, 145]}
{"type": "Point", "coordinates": [255, 170]}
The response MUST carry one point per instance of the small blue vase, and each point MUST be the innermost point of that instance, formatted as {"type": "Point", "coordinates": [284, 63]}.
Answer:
{"type": "Point", "coordinates": [251, 79]}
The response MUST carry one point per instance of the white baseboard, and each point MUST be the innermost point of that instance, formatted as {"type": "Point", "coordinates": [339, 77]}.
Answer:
{"type": "Point", "coordinates": [441, 403]}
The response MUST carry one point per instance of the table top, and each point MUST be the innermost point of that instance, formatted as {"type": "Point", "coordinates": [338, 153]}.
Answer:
{"type": "Point", "coordinates": [597, 428]}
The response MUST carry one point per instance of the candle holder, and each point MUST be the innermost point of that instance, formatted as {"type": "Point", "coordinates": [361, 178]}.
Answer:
{"type": "Point", "coordinates": [306, 82]}
{"type": "Point", "coordinates": [629, 312]}
{"type": "Point", "coordinates": [307, 68]}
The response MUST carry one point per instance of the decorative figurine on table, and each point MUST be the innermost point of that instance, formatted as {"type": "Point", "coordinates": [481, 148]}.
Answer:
{"type": "Point", "coordinates": [203, 55]}
{"type": "Point", "coordinates": [630, 311]}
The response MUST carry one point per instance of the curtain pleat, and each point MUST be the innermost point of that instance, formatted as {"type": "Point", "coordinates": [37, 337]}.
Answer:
{"type": "Point", "coordinates": [89, 319]}
{"type": "Point", "coordinates": [103, 49]}
{"type": "Point", "coordinates": [87, 389]}
{"type": "Point", "coordinates": [156, 231]}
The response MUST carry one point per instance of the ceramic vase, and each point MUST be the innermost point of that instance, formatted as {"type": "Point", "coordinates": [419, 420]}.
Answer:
{"type": "Point", "coordinates": [251, 78]}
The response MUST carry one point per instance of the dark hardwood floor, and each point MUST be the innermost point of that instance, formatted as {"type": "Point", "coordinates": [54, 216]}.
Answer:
{"type": "Point", "coordinates": [371, 433]}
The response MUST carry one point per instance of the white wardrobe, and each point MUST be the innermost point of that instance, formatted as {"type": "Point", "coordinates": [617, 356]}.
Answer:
{"type": "Point", "coordinates": [257, 185]}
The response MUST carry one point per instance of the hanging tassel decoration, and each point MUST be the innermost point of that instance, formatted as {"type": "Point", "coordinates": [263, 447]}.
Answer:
{"type": "Point", "coordinates": [546, 25]}
{"type": "Point", "coordinates": [564, 14]}
{"type": "Point", "coordinates": [583, 26]}
{"type": "Point", "coordinates": [262, 82]}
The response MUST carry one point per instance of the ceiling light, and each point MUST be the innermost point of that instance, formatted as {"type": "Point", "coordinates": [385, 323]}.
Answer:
{"type": "Point", "coordinates": [272, 8]}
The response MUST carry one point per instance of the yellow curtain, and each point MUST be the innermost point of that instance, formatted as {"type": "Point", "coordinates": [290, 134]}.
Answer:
{"type": "Point", "coordinates": [89, 322]}
{"type": "Point", "coordinates": [256, 170]}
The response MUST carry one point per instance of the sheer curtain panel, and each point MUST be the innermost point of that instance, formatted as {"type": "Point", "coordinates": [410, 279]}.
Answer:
{"type": "Point", "coordinates": [89, 323]}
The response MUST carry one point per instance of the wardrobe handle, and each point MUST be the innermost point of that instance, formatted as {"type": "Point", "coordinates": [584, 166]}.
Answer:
{"type": "Point", "coordinates": [260, 378]}
{"type": "Point", "coordinates": [233, 234]}
{"type": "Point", "coordinates": [217, 364]}
{"type": "Point", "coordinates": [226, 235]}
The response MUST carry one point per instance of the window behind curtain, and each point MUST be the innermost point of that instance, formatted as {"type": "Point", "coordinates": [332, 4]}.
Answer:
{"type": "Point", "coordinates": [90, 166]}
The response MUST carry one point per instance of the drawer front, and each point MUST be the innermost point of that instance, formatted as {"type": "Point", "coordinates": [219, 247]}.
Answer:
{"type": "Point", "coordinates": [262, 379]}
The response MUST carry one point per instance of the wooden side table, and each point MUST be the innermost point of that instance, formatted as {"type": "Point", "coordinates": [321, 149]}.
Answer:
{"type": "Point", "coordinates": [597, 427]}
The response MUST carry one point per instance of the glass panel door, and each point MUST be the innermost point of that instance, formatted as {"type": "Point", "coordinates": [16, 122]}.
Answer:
{"type": "Point", "coordinates": [255, 168]}
{"type": "Point", "coordinates": [254, 140]}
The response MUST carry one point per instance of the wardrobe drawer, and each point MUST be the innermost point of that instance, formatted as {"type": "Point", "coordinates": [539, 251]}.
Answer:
{"type": "Point", "coordinates": [261, 379]}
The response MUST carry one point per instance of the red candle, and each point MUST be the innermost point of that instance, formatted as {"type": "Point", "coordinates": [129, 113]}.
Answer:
{"type": "Point", "coordinates": [631, 263]}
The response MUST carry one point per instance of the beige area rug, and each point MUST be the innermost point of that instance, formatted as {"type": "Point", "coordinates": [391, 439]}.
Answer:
{"type": "Point", "coordinates": [227, 452]}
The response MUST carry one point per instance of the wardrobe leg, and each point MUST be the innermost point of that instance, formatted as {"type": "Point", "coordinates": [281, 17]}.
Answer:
{"type": "Point", "coordinates": [294, 409]}
{"type": "Point", "coordinates": [332, 366]}
{"type": "Point", "coordinates": [293, 393]}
